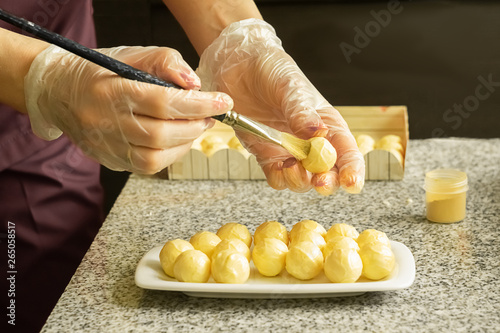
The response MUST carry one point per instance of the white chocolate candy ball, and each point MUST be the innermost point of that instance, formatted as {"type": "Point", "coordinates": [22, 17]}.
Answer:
{"type": "Point", "coordinates": [235, 245]}
{"type": "Point", "coordinates": [230, 267]}
{"type": "Point", "coordinates": [211, 140]}
{"type": "Point", "coordinates": [391, 146]}
{"type": "Point", "coordinates": [322, 156]}
{"type": "Point", "coordinates": [197, 145]}
{"type": "Point", "coordinates": [234, 143]}
{"type": "Point", "coordinates": [365, 139]}
{"type": "Point", "coordinates": [371, 235]}
{"type": "Point", "coordinates": [235, 230]}
{"type": "Point", "coordinates": [365, 143]}
{"type": "Point", "coordinates": [343, 265]}
{"type": "Point", "coordinates": [212, 143]}
{"type": "Point", "coordinates": [341, 229]}
{"type": "Point", "coordinates": [388, 139]}
{"type": "Point", "coordinates": [365, 148]}
{"type": "Point", "coordinates": [192, 266]}
{"type": "Point", "coordinates": [304, 260]}
{"type": "Point", "coordinates": [306, 225]}
{"type": "Point", "coordinates": [340, 242]}
{"type": "Point", "coordinates": [310, 236]}
{"type": "Point", "coordinates": [169, 253]}
{"type": "Point", "coordinates": [391, 143]}
{"type": "Point", "coordinates": [269, 256]}
{"type": "Point", "coordinates": [271, 229]}
{"type": "Point", "coordinates": [397, 154]}
{"type": "Point", "coordinates": [205, 241]}
{"type": "Point", "coordinates": [378, 260]}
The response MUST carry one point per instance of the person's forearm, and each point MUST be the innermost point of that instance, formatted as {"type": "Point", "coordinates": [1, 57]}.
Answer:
{"type": "Point", "coordinates": [203, 20]}
{"type": "Point", "coordinates": [16, 55]}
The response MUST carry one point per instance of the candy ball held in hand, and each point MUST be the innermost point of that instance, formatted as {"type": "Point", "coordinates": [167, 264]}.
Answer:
{"type": "Point", "coordinates": [235, 245]}
{"type": "Point", "coordinates": [304, 260]}
{"type": "Point", "coordinates": [341, 229]}
{"type": "Point", "coordinates": [306, 225]}
{"type": "Point", "coordinates": [192, 266]}
{"type": "Point", "coordinates": [269, 256]}
{"type": "Point", "coordinates": [321, 157]}
{"type": "Point", "coordinates": [372, 235]}
{"type": "Point", "coordinates": [378, 260]}
{"type": "Point", "coordinates": [230, 267]}
{"type": "Point", "coordinates": [271, 229]}
{"type": "Point", "coordinates": [343, 265]}
{"type": "Point", "coordinates": [205, 241]}
{"type": "Point", "coordinates": [169, 253]}
{"type": "Point", "coordinates": [233, 230]}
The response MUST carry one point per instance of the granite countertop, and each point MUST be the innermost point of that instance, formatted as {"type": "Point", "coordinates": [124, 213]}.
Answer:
{"type": "Point", "coordinates": [457, 281]}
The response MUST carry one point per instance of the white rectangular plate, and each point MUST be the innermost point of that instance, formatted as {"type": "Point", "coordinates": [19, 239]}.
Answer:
{"type": "Point", "coordinates": [149, 275]}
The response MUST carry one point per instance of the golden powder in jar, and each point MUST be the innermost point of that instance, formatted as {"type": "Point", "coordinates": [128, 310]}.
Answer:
{"type": "Point", "coordinates": [445, 195]}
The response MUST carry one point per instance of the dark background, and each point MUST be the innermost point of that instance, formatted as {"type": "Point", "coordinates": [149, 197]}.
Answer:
{"type": "Point", "coordinates": [428, 55]}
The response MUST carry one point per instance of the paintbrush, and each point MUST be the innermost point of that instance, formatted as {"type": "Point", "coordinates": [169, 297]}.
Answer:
{"type": "Point", "coordinates": [297, 147]}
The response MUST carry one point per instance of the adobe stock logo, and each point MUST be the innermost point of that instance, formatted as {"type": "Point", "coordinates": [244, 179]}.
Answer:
{"type": "Point", "coordinates": [456, 115]}
{"type": "Point", "coordinates": [48, 10]}
{"type": "Point", "coordinates": [372, 29]}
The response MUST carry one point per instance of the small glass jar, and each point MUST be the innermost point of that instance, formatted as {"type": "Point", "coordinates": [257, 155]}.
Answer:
{"type": "Point", "coordinates": [445, 195]}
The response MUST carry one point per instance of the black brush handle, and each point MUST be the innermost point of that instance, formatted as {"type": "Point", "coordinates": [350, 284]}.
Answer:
{"type": "Point", "coordinates": [98, 58]}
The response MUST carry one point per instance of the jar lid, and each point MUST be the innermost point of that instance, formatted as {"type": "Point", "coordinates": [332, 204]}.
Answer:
{"type": "Point", "coordinates": [446, 181]}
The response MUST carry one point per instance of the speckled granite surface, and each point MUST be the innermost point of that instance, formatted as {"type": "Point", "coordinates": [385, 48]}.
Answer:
{"type": "Point", "coordinates": [457, 285]}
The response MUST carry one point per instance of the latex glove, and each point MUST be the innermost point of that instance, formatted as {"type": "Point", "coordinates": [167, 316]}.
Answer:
{"type": "Point", "coordinates": [248, 62]}
{"type": "Point", "coordinates": [123, 124]}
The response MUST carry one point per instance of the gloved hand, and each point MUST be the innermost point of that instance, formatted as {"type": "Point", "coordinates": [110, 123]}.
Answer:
{"type": "Point", "coordinates": [123, 124]}
{"type": "Point", "coordinates": [248, 62]}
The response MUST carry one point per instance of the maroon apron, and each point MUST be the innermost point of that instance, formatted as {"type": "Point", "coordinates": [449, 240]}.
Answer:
{"type": "Point", "coordinates": [50, 194]}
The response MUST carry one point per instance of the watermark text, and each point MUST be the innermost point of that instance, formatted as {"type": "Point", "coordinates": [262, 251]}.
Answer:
{"type": "Point", "coordinates": [11, 273]}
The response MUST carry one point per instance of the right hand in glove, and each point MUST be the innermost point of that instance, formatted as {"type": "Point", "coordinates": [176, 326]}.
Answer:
{"type": "Point", "coordinates": [248, 62]}
{"type": "Point", "coordinates": [123, 124]}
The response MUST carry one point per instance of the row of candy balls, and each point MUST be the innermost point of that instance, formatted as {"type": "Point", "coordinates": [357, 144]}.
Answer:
{"type": "Point", "coordinates": [342, 253]}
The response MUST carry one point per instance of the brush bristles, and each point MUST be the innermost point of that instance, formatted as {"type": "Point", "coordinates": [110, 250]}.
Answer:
{"type": "Point", "coordinates": [297, 147]}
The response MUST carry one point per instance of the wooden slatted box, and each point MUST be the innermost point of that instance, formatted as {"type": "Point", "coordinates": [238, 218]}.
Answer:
{"type": "Point", "coordinates": [234, 164]}
{"type": "Point", "coordinates": [379, 121]}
